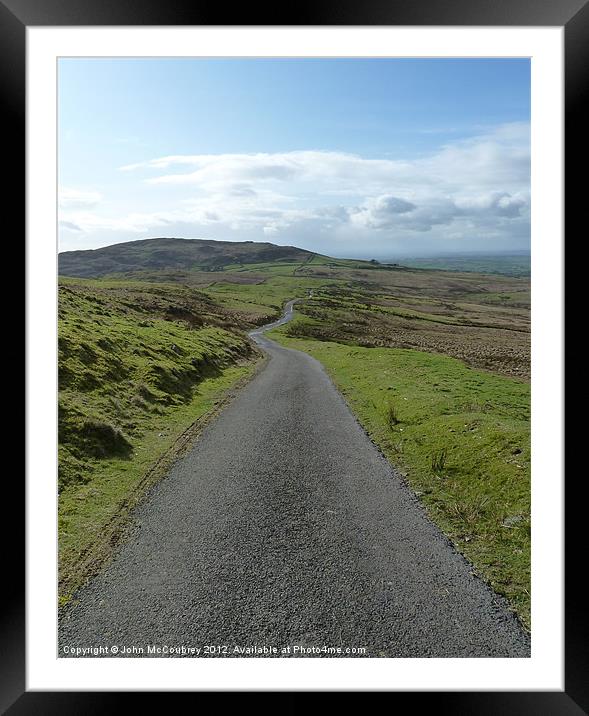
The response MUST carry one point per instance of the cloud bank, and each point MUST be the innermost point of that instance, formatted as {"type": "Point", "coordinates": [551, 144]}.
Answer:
{"type": "Point", "coordinates": [474, 192]}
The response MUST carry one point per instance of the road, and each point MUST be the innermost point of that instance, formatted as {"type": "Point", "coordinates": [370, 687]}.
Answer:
{"type": "Point", "coordinates": [285, 527]}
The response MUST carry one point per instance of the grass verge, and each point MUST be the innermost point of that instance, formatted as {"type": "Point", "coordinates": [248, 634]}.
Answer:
{"type": "Point", "coordinates": [461, 439]}
{"type": "Point", "coordinates": [94, 516]}
{"type": "Point", "coordinates": [141, 367]}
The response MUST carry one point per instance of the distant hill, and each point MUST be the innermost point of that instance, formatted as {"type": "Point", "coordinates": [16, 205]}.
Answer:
{"type": "Point", "coordinates": [513, 264]}
{"type": "Point", "coordinates": [167, 253]}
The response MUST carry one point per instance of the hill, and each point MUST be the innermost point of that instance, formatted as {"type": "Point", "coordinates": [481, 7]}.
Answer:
{"type": "Point", "coordinates": [170, 253]}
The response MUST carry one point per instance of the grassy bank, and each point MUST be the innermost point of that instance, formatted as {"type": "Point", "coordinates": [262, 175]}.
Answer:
{"type": "Point", "coordinates": [460, 436]}
{"type": "Point", "coordinates": [138, 366]}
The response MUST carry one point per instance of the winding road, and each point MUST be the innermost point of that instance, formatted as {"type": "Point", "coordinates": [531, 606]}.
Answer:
{"type": "Point", "coordinates": [284, 527]}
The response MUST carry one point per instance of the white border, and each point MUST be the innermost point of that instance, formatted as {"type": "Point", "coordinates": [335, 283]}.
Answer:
{"type": "Point", "coordinates": [544, 670]}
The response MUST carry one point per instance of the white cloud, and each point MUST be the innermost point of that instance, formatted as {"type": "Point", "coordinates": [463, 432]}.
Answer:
{"type": "Point", "coordinates": [76, 198]}
{"type": "Point", "coordinates": [497, 203]}
{"type": "Point", "coordinates": [389, 212]}
{"type": "Point", "coordinates": [381, 212]}
{"type": "Point", "coordinates": [476, 188]}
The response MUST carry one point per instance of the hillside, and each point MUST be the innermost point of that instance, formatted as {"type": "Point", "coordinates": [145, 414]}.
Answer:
{"type": "Point", "coordinates": [139, 365]}
{"type": "Point", "coordinates": [128, 355]}
{"type": "Point", "coordinates": [178, 254]}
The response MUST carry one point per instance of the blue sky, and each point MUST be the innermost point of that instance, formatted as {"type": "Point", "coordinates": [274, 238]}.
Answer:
{"type": "Point", "coordinates": [373, 157]}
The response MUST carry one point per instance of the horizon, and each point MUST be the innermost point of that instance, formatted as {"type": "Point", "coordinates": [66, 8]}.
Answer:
{"type": "Point", "coordinates": [343, 157]}
{"type": "Point", "coordinates": [439, 254]}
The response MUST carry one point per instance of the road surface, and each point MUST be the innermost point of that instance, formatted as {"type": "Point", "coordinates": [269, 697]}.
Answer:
{"type": "Point", "coordinates": [285, 529]}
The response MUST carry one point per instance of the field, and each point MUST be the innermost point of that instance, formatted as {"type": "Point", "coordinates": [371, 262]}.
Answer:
{"type": "Point", "coordinates": [435, 364]}
{"type": "Point", "coordinates": [482, 320]}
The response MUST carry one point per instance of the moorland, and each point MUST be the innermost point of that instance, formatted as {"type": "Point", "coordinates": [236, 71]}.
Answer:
{"type": "Point", "coordinates": [435, 364]}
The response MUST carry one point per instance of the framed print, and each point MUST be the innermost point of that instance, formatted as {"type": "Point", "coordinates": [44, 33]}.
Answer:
{"type": "Point", "coordinates": [295, 353]}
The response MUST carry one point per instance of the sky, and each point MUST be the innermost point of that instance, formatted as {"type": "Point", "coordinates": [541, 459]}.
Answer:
{"type": "Point", "coordinates": [366, 158]}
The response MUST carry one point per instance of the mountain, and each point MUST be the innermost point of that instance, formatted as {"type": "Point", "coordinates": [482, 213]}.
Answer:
{"type": "Point", "coordinates": [167, 253]}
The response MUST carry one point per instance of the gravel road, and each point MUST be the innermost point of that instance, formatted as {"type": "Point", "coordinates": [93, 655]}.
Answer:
{"type": "Point", "coordinates": [284, 527]}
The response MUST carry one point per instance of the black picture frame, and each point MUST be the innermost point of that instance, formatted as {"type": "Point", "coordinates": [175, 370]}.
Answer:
{"type": "Point", "coordinates": [573, 15]}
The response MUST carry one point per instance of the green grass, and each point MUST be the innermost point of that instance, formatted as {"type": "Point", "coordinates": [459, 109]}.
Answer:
{"type": "Point", "coordinates": [93, 513]}
{"type": "Point", "coordinates": [265, 299]}
{"type": "Point", "coordinates": [137, 366]}
{"type": "Point", "coordinates": [121, 371]}
{"type": "Point", "coordinates": [461, 437]}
